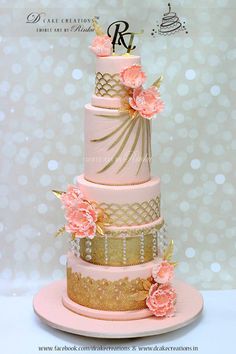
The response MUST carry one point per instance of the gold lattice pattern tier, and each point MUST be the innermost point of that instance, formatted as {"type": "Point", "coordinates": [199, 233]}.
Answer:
{"type": "Point", "coordinates": [133, 214]}
{"type": "Point", "coordinates": [104, 294]}
{"type": "Point", "coordinates": [122, 248]}
{"type": "Point", "coordinates": [107, 85]}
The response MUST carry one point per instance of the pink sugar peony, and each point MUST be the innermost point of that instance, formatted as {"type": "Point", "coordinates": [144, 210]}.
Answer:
{"type": "Point", "coordinates": [163, 272]}
{"type": "Point", "coordinates": [132, 76]}
{"type": "Point", "coordinates": [146, 102]}
{"type": "Point", "coordinates": [81, 219]}
{"type": "Point", "coordinates": [72, 195]}
{"type": "Point", "coordinates": [102, 46]}
{"type": "Point", "coordinates": [161, 300]}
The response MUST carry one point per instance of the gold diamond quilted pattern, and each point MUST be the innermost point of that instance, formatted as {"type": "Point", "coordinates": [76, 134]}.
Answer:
{"type": "Point", "coordinates": [133, 214]}
{"type": "Point", "coordinates": [108, 85]}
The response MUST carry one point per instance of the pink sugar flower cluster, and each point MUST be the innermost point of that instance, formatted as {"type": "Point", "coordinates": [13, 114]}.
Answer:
{"type": "Point", "coordinates": [163, 272]}
{"type": "Point", "coordinates": [133, 76]}
{"type": "Point", "coordinates": [146, 102]}
{"type": "Point", "coordinates": [161, 300]}
{"type": "Point", "coordinates": [101, 46]}
{"type": "Point", "coordinates": [81, 216]}
{"type": "Point", "coordinates": [162, 296]}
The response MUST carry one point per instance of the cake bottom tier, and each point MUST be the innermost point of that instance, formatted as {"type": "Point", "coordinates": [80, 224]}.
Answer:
{"type": "Point", "coordinates": [106, 288]}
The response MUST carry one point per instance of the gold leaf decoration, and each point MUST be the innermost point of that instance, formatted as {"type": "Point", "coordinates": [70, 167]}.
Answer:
{"type": "Point", "coordinates": [147, 284]}
{"type": "Point", "coordinates": [97, 28]}
{"type": "Point", "coordinates": [133, 146]}
{"type": "Point", "coordinates": [158, 82]}
{"type": "Point", "coordinates": [99, 229]}
{"type": "Point", "coordinates": [58, 194]}
{"type": "Point", "coordinates": [143, 148]}
{"type": "Point", "coordinates": [122, 134]}
{"type": "Point", "coordinates": [121, 148]}
{"type": "Point", "coordinates": [103, 219]}
{"type": "Point", "coordinates": [105, 137]}
{"type": "Point", "coordinates": [125, 106]}
{"type": "Point", "coordinates": [140, 295]}
{"type": "Point", "coordinates": [126, 126]}
{"type": "Point", "coordinates": [60, 231]}
{"type": "Point", "coordinates": [168, 254]}
{"type": "Point", "coordinates": [148, 142]}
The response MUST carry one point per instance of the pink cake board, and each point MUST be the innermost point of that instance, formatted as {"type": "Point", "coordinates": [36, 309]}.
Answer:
{"type": "Point", "coordinates": [48, 306]}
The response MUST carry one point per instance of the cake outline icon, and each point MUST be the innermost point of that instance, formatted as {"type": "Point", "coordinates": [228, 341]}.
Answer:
{"type": "Point", "coordinates": [170, 23]}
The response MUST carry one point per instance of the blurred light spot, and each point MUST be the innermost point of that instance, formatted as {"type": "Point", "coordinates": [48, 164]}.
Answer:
{"type": "Point", "coordinates": [77, 74]}
{"type": "Point", "coordinates": [190, 252]}
{"type": "Point", "coordinates": [215, 267]}
{"type": "Point", "coordinates": [219, 179]}
{"type": "Point", "coordinates": [195, 164]}
{"type": "Point", "coordinates": [63, 259]}
{"type": "Point", "coordinates": [52, 165]}
{"type": "Point", "coordinates": [190, 74]}
{"type": "Point", "coordinates": [215, 90]}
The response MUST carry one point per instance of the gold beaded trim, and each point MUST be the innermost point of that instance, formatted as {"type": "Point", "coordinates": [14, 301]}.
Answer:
{"type": "Point", "coordinates": [105, 294]}
{"type": "Point", "coordinates": [132, 232]}
{"type": "Point", "coordinates": [133, 214]}
{"type": "Point", "coordinates": [108, 85]}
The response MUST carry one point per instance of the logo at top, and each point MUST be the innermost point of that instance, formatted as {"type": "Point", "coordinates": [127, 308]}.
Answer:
{"type": "Point", "coordinates": [170, 24]}
{"type": "Point", "coordinates": [120, 35]}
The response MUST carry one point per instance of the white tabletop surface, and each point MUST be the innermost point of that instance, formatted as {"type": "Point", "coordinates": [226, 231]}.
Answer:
{"type": "Point", "coordinates": [21, 332]}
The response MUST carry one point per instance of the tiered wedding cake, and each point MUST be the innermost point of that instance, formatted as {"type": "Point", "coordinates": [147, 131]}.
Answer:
{"type": "Point", "coordinates": [114, 269]}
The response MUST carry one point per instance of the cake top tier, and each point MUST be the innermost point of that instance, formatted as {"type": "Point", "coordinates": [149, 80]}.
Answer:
{"type": "Point", "coordinates": [116, 63]}
{"type": "Point", "coordinates": [120, 78]}
{"type": "Point", "coordinates": [108, 88]}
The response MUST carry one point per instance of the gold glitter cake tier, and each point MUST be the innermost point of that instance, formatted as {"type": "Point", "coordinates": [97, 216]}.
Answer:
{"type": "Point", "coordinates": [122, 248]}
{"type": "Point", "coordinates": [104, 294]}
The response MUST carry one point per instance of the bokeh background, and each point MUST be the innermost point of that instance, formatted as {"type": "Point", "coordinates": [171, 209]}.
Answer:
{"type": "Point", "coordinates": [45, 81]}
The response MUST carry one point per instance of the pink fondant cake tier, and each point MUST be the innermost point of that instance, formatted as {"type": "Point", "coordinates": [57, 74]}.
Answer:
{"type": "Point", "coordinates": [131, 205]}
{"type": "Point", "coordinates": [104, 287]}
{"type": "Point", "coordinates": [119, 194]}
{"type": "Point", "coordinates": [97, 272]}
{"type": "Point", "coordinates": [108, 91]}
{"type": "Point", "coordinates": [115, 63]}
{"type": "Point", "coordinates": [117, 148]}
{"type": "Point", "coordinates": [104, 315]}
{"type": "Point", "coordinates": [106, 102]}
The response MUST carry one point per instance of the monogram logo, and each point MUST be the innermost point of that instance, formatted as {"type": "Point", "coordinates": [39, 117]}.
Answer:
{"type": "Point", "coordinates": [34, 17]}
{"type": "Point", "coordinates": [120, 35]}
